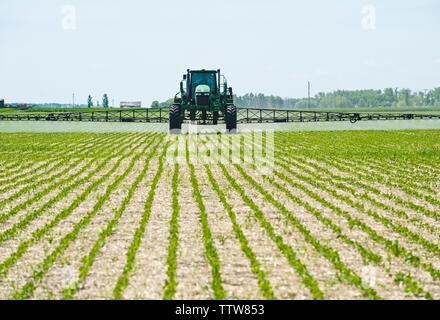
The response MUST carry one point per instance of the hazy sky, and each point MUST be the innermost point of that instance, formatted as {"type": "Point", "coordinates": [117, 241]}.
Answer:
{"type": "Point", "coordinates": [138, 50]}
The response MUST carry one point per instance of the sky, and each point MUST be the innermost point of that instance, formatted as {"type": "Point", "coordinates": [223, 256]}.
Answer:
{"type": "Point", "coordinates": [136, 50]}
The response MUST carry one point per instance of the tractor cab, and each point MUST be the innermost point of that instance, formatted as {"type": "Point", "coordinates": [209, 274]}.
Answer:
{"type": "Point", "coordinates": [200, 85]}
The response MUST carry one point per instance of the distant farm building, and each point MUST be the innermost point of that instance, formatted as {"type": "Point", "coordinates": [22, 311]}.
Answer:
{"type": "Point", "coordinates": [131, 104]}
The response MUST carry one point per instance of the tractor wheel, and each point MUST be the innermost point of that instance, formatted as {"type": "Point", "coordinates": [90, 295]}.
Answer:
{"type": "Point", "coordinates": [231, 118]}
{"type": "Point", "coordinates": [175, 119]}
{"type": "Point", "coordinates": [215, 117]}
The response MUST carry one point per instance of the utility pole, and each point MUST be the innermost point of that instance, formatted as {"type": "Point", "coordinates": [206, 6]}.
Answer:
{"type": "Point", "coordinates": [73, 100]}
{"type": "Point", "coordinates": [308, 91]}
{"type": "Point", "coordinates": [113, 103]}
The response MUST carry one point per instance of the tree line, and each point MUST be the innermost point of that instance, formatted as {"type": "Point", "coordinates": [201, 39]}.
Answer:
{"type": "Point", "coordinates": [388, 97]}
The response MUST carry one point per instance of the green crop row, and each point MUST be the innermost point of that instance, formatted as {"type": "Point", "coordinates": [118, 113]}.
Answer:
{"type": "Point", "coordinates": [374, 202]}
{"type": "Point", "coordinates": [392, 246]}
{"type": "Point", "coordinates": [136, 242]}
{"type": "Point", "coordinates": [408, 187]}
{"type": "Point", "coordinates": [352, 221]}
{"type": "Point", "coordinates": [38, 234]}
{"type": "Point", "coordinates": [49, 188]}
{"type": "Point", "coordinates": [287, 251]}
{"type": "Point", "coordinates": [263, 283]}
{"type": "Point", "coordinates": [63, 155]}
{"type": "Point", "coordinates": [18, 159]}
{"type": "Point", "coordinates": [28, 289]}
{"type": "Point", "coordinates": [210, 250]}
{"type": "Point", "coordinates": [171, 283]}
{"type": "Point", "coordinates": [33, 186]}
{"type": "Point", "coordinates": [33, 177]}
{"type": "Point", "coordinates": [326, 251]}
{"type": "Point", "coordinates": [88, 260]}
{"type": "Point", "coordinates": [394, 225]}
{"type": "Point", "coordinates": [11, 232]}
{"type": "Point", "coordinates": [367, 255]}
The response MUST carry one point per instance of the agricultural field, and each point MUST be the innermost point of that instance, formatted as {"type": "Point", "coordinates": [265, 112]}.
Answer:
{"type": "Point", "coordinates": [343, 215]}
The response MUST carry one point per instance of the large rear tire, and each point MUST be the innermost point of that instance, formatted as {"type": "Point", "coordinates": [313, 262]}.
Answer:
{"type": "Point", "coordinates": [175, 119]}
{"type": "Point", "coordinates": [231, 118]}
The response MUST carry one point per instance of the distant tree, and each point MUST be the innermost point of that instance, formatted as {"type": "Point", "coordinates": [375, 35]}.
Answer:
{"type": "Point", "coordinates": [155, 104]}
{"type": "Point", "coordinates": [105, 100]}
{"type": "Point", "coordinates": [405, 94]}
{"type": "Point", "coordinates": [90, 102]}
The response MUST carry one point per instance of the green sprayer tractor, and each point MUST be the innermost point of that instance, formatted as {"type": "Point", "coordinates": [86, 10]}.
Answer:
{"type": "Point", "coordinates": [204, 96]}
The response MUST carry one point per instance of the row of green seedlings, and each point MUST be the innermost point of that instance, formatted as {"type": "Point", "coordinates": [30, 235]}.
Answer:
{"type": "Point", "coordinates": [36, 183]}
{"type": "Point", "coordinates": [28, 289]}
{"type": "Point", "coordinates": [38, 234]}
{"type": "Point", "coordinates": [52, 163]}
{"type": "Point", "coordinates": [284, 248]}
{"type": "Point", "coordinates": [19, 165]}
{"type": "Point", "coordinates": [22, 161]}
{"type": "Point", "coordinates": [122, 282]}
{"type": "Point", "coordinates": [392, 246]}
{"type": "Point", "coordinates": [88, 260]}
{"type": "Point", "coordinates": [404, 182]}
{"type": "Point", "coordinates": [396, 226]}
{"type": "Point", "coordinates": [374, 147]}
{"type": "Point", "coordinates": [376, 203]}
{"type": "Point", "coordinates": [263, 283]}
{"type": "Point", "coordinates": [392, 179]}
{"type": "Point", "coordinates": [61, 153]}
{"type": "Point", "coordinates": [400, 213]}
{"type": "Point", "coordinates": [343, 186]}
{"type": "Point", "coordinates": [430, 163]}
{"type": "Point", "coordinates": [210, 250]}
{"type": "Point", "coordinates": [171, 283]}
{"type": "Point", "coordinates": [50, 183]}
{"type": "Point", "coordinates": [11, 232]}
{"type": "Point", "coordinates": [431, 214]}
{"type": "Point", "coordinates": [366, 254]}
{"type": "Point", "coordinates": [408, 187]}
{"type": "Point", "coordinates": [328, 252]}
{"type": "Point", "coordinates": [402, 170]}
